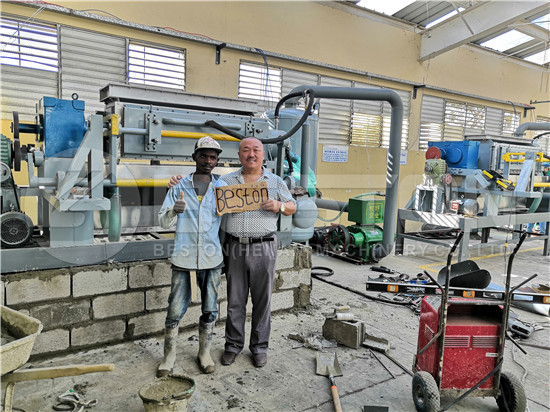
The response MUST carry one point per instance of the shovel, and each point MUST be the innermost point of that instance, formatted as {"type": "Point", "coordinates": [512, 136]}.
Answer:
{"type": "Point", "coordinates": [327, 365]}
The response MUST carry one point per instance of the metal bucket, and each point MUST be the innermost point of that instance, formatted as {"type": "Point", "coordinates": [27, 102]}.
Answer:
{"type": "Point", "coordinates": [167, 394]}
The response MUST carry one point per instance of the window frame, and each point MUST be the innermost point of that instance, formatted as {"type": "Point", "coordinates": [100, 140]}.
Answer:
{"type": "Point", "coordinates": [260, 88]}
{"type": "Point", "coordinates": [39, 55]}
{"type": "Point", "coordinates": [157, 74]}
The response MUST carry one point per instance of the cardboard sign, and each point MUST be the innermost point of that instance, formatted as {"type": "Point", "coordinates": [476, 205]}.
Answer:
{"type": "Point", "coordinates": [240, 198]}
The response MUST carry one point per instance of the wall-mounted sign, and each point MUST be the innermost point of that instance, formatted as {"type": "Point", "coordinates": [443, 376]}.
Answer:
{"type": "Point", "coordinates": [335, 153]}
{"type": "Point", "coordinates": [239, 198]}
{"type": "Point", "coordinates": [403, 158]}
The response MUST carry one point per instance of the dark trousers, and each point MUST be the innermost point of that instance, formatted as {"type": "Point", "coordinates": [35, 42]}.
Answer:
{"type": "Point", "coordinates": [250, 268]}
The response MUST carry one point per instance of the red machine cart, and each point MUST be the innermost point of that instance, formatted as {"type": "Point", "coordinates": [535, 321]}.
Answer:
{"type": "Point", "coordinates": [461, 340]}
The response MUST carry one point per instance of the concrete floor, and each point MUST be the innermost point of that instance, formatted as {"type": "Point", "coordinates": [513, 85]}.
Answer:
{"type": "Point", "coordinates": [288, 382]}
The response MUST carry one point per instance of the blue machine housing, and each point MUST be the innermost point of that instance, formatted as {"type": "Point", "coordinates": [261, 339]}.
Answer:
{"type": "Point", "coordinates": [64, 126]}
{"type": "Point", "coordinates": [461, 154]}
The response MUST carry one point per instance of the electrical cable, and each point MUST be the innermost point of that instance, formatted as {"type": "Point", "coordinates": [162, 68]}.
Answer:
{"type": "Point", "coordinates": [266, 91]}
{"type": "Point", "coordinates": [522, 367]}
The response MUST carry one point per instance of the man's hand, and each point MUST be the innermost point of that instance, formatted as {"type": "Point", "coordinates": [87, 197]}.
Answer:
{"type": "Point", "coordinates": [180, 205]}
{"type": "Point", "coordinates": [174, 181]}
{"type": "Point", "coordinates": [271, 205]}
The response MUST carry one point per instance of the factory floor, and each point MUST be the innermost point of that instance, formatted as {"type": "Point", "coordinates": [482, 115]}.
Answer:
{"type": "Point", "coordinates": [288, 382]}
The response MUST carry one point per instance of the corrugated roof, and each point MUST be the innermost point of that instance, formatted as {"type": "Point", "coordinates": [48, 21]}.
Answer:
{"type": "Point", "coordinates": [526, 38]}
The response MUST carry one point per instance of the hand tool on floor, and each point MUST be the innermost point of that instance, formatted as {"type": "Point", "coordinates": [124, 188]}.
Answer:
{"type": "Point", "coordinates": [327, 365]}
{"type": "Point", "coordinates": [382, 345]}
{"type": "Point", "coordinates": [70, 401]}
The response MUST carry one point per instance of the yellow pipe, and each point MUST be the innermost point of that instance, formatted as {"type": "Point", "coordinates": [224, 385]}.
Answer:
{"type": "Point", "coordinates": [196, 135]}
{"type": "Point", "coordinates": [541, 184]}
{"type": "Point", "coordinates": [142, 182]}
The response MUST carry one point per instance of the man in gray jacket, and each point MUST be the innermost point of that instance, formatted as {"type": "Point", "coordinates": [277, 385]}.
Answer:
{"type": "Point", "coordinates": [190, 205]}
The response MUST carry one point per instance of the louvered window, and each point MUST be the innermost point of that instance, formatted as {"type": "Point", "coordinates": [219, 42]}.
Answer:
{"type": "Point", "coordinates": [494, 121]}
{"type": "Point", "coordinates": [343, 121]}
{"type": "Point", "coordinates": [371, 120]}
{"type": "Point", "coordinates": [462, 118]}
{"type": "Point", "coordinates": [156, 66]}
{"type": "Point", "coordinates": [90, 61]}
{"type": "Point", "coordinates": [510, 123]}
{"type": "Point", "coordinates": [29, 45]}
{"type": "Point", "coordinates": [334, 115]}
{"type": "Point", "coordinates": [260, 83]}
{"type": "Point", "coordinates": [431, 120]}
{"type": "Point", "coordinates": [442, 119]}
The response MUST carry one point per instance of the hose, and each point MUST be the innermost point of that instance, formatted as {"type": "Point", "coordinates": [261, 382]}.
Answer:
{"type": "Point", "coordinates": [289, 161]}
{"type": "Point", "coordinates": [272, 140]}
{"type": "Point", "coordinates": [534, 206]}
{"type": "Point", "coordinates": [302, 120]}
{"type": "Point", "coordinates": [284, 99]}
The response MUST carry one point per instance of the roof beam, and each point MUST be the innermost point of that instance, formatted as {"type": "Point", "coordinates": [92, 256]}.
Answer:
{"type": "Point", "coordinates": [532, 29]}
{"type": "Point", "coordinates": [474, 23]}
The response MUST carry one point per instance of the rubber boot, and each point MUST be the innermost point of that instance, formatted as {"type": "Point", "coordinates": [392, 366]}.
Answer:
{"type": "Point", "coordinates": [206, 364]}
{"type": "Point", "coordinates": [167, 365]}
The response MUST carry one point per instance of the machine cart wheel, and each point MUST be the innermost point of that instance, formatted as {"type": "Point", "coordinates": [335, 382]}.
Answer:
{"type": "Point", "coordinates": [425, 392]}
{"type": "Point", "coordinates": [512, 394]}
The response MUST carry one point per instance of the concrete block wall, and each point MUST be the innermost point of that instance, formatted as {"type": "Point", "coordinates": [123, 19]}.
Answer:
{"type": "Point", "coordinates": [88, 306]}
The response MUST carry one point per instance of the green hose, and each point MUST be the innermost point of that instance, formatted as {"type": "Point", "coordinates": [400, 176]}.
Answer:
{"type": "Point", "coordinates": [536, 202]}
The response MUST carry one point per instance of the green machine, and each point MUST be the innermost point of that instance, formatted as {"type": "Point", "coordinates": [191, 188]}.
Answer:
{"type": "Point", "coordinates": [356, 242]}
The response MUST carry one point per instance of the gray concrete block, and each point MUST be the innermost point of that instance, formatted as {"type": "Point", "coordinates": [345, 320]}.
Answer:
{"type": "Point", "coordinates": [118, 305]}
{"type": "Point", "coordinates": [348, 333]}
{"type": "Point", "coordinates": [140, 276]}
{"type": "Point", "coordinates": [62, 314]}
{"type": "Point", "coordinates": [290, 279]}
{"type": "Point", "coordinates": [38, 286]}
{"type": "Point", "coordinates": [146, 324]}
{"type": "Point", "coordinates": [99, 332]}
{"type": "Point", "coordinates": [285, 258]}
{"type": "Point", "coordinates": [99, 280]}
{"type": "Point", "coordinates": [303, 256]}
{"type": "Point", "coordinates": [51, 341]}
{"type": "Point", "coordinates": [162, 273]}
{"type": "Point", "coordinates": [157, 298]}
{"type": "Point", "coordinates": [282, 300]}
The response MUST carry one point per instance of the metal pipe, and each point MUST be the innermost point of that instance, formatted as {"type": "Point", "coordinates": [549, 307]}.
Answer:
{"type": "Point", "coordinates": [196, 135]}
{"type": "Point", "coordinates": [199, 123]}
{"type": "Point", "coordinates": [394, 150]}
{"type": "Point", "coordinates": [132, 130]}
{"type": "Point", "coordinates": [304, 164]}
{"type": "Point", "coordinates": [331, 204]}
{"type": "Point", "coordinates": [520, 131]}
{"type": "Point", "coordinates": [142, 182]}
{"type": "Point", "coordinates": [115, 221]}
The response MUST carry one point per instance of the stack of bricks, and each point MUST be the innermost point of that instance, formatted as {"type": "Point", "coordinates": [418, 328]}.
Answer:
{"type": "Point", "coordinates": [82, 307]}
